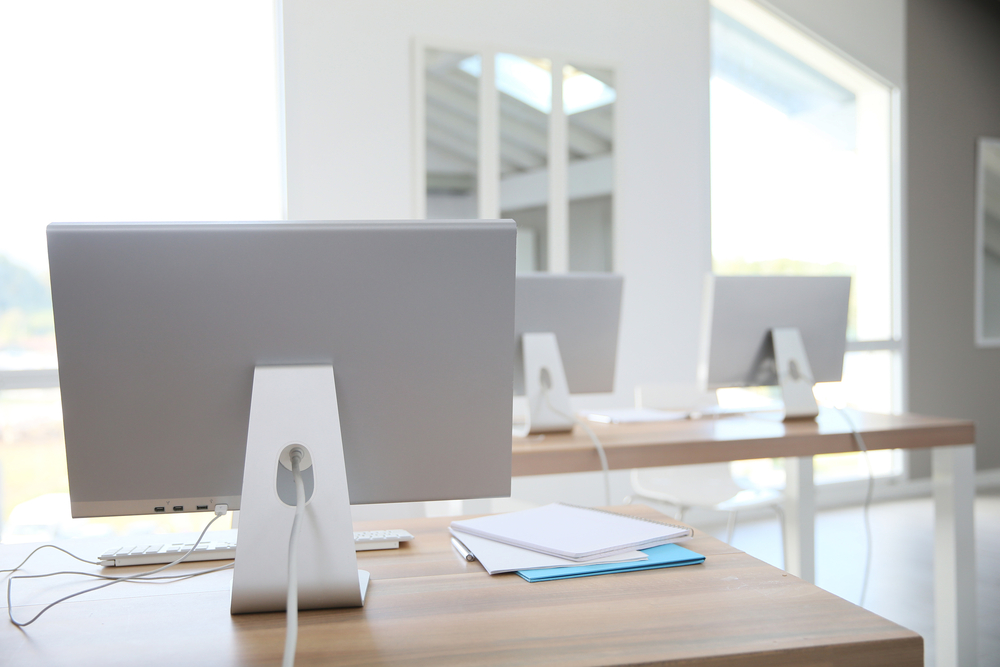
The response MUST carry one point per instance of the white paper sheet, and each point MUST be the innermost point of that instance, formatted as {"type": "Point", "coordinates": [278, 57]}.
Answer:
{"type": "Point", "coordinates": [634, 415]}
{"type": "Point", "coordinates": [497, 557]}
{"type": "Point", "coordinates": [571, 532]}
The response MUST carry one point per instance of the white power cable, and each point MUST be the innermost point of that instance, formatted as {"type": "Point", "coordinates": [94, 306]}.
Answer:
{"type": "Point", "coordinates": [143, 577]}
{"type": "Point", "coordinates": [160, 579]}
{"type": "Point", "coordinates": [868, 501]}
{"type": "Point", "coordinates": [593, 438]}
{"type": "Point", "coordinates": [49, 546]}
{"type": "Point", "coordinates": [292, 603]}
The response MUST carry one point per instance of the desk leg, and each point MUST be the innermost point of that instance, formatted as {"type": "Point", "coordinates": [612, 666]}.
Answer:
{"type": "Point", "coordinates": [800, 518]}
{"type": "Point", "coordinates": [955, 556]}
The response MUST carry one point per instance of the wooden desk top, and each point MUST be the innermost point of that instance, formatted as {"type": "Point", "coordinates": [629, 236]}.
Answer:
{"type": "Point", "coordinates": [428, 606]}
{"type": "Point", "coordinates": [731, 438]}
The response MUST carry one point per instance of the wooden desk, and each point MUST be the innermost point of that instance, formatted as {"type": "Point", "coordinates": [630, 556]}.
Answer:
{"type": "Point", "coordinates": [428, 606]}
{"type": "Point", "coordinates": [764, 435]}
{"type": "Point", "coordinates": [731, 438]}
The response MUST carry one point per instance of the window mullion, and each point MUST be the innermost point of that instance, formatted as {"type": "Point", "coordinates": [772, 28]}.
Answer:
{"type": "Point", "coordinates": [558, 209]}
{"type": "Point", "coordinates": [873, 345]}
{"type": "Point", "coordinates": [419, 149]}
{"type": "Point", "coordinates": [489, 140]}
{"type": "Point", "coordinates": [45, 378]}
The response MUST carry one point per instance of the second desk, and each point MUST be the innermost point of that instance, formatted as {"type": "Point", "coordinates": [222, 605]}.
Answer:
{"type": "Point", "coordinates": [764, 435]}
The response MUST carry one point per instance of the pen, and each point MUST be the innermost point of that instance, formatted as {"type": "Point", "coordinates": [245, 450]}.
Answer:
{"type": "Point", "coordinates": [460, 548]}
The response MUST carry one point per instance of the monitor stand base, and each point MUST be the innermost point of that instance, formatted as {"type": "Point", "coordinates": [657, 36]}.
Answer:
{"type": "Point", "coordinates": [295, 406]}
{"type": "Point", "coordinates": [545, 386]}
{"type": "Point", "coordinates": [794, 374]}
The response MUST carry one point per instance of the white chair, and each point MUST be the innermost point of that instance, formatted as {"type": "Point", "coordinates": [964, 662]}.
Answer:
{"type": "Point", "coordinates": [709, 485]}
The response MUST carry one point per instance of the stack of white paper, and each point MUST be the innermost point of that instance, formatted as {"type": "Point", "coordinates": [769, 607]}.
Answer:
{"type": "Point", "coordinates": [560, 535]}
{"type": "Point", "coordinates": [498, 557]}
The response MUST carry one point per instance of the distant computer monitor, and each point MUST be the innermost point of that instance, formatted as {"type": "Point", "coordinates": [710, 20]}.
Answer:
{"type": "Point", "coordinates": [164, 330]}
{"type": "Point", "coordinates": [578, 314]}
{"type": "Point", "coordinates": [741, 315]}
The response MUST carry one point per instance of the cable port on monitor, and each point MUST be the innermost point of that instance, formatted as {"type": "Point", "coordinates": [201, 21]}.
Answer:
{"type": "Point", "coordinates": [178, 508]}
{"type": "Point", "coordinates": [159, 509]}
{"type": "Point", "coordinates": [202, 507]}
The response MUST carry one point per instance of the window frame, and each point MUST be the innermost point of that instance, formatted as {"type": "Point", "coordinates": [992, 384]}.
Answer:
{"type": "Point", "coordinates": [488, 169]}
{"type": "Point", "coordinates": [790, 36]}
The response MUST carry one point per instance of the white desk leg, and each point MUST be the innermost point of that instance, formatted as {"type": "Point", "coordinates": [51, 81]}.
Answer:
{"type": "Point", "coordinates": [955, 556]}
{"type": "Point", "coordinates": [800, 518]}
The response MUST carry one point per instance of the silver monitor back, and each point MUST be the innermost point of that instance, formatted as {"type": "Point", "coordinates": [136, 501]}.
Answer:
{"type": "Point", "coordinates": [159, 327]}
{"type": "Point", "coordinates": [740, 311]}
{"type": "Point", "coordinates": [582, 310]}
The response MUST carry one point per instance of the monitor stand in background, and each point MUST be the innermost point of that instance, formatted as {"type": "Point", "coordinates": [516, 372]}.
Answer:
{"type": "Point", "coordinates": [295, 406]}
{"type": "Point", "coordinates": [794, 374]}
{"type": "Point", "coordinates": [545, 386]}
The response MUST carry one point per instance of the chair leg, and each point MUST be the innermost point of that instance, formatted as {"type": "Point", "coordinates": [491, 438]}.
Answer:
{"type": "Point", "coordinates": [731, 526]}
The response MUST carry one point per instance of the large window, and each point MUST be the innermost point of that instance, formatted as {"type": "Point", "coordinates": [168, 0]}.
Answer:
{"type": "Point", "coordinates": [499, 136]}
{"type": "Point", "coordinates": [115, 110]}
{"type": "Point", "coordinates": [802, 184]}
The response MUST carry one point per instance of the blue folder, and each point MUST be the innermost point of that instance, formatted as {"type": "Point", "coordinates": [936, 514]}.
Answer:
{"type": "Point", "coordinates": [667, 555]}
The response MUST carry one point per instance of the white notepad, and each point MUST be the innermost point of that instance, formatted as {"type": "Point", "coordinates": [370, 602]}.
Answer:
{"type": "Point", "coordinates": [497, 557]}
{"type": "Point", "coordinates": [571, 532]}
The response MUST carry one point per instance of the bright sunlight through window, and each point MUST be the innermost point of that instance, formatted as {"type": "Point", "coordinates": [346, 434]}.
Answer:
{"type": "Point", "coordinates": [115, 110]}
{"type": "Point", "coordinates": [529, 81]}
{"type": "Point", "coordinates": [801, 185]}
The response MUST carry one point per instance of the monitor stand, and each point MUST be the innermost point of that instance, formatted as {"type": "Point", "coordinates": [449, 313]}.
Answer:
{"type": "Point", "coordinates": [545, 386]}
{"type": "Point", "coordinates": [295, 406]}
{"type": "Point", "coordinates": [794, 374]}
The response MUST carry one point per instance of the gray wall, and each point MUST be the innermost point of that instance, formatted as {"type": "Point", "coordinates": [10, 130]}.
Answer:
{"type": "Point", "coordinates": [953, 86]}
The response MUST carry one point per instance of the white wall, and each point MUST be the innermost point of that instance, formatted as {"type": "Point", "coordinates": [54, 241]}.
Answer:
{"type": "Point", "coordinates": [349, 124]}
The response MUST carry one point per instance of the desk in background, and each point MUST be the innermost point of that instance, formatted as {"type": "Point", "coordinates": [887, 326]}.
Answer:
{"type": "Point", "coordinates": [764, 435]}
{"type": "Point", "coordinates": [428, 606]}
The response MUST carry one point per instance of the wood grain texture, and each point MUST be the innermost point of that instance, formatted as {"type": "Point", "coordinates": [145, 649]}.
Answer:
{"type": "Point", "coordinates": [731, 438]}
{"type": "Point", "coordinates": [428, 606]}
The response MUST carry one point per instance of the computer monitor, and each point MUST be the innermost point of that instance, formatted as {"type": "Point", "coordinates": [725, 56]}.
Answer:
{"type": "Point", "coordinates": [789, 331]}
{"type": "Point", "coordinates": [566, 328]}
{"type": "Point", "coordinates": [178, 341]}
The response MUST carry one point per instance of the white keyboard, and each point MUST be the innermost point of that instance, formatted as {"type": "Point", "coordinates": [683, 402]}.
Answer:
{"type": "Point", "coordinates": [149, 554]}
{"type": "Point", "coordinates": [368, 540]}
